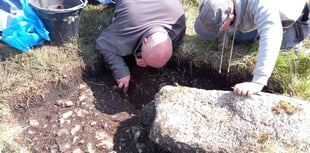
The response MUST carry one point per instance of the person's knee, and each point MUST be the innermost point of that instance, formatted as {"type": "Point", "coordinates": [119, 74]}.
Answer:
{"type": "Point", "coordinates": [289, 40]}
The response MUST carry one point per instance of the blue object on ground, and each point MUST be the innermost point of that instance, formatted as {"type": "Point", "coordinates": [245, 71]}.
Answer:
{"type": "Point", "coordinates": [101, 1]}
{"type": "Point", "coordinates": [9, 9]}
{"type": "Point", "coordinates": [26, 30]}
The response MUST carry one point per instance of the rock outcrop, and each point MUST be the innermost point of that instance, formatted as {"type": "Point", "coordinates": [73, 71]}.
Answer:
{"type": "Point", "coordinates": [182, 119]}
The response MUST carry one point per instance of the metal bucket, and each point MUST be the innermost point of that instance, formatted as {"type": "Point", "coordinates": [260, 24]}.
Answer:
{"type": "Point", "coordinates": [61, 17]}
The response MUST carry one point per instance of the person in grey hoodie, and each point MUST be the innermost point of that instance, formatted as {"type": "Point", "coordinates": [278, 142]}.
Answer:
{"type": "Point", "coordinates": [148, 29]}
{"type": "Point", "coordinates": [272, 22]}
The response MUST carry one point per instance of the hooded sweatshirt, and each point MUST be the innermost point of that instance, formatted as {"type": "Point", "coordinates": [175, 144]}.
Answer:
{"type": "Point", "coordinates": [269, 17]}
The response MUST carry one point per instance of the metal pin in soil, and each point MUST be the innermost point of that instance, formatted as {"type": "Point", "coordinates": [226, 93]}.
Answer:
{"type": "Point", "coordinates": [222, 54]}
{"type": "Point", "coordinates": [231, 50]}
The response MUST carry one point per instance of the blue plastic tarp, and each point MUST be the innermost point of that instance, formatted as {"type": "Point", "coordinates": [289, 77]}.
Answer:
{"type": "Point", "coordinates": [101, 1]}
{"type": "Point", "coordinates": [21, 27]}
{"type": "Point", "coordinates": [9, 9]}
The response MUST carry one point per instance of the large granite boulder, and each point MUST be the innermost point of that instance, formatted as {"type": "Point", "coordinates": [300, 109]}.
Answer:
{"type": "Point", "coordinates": [183, 120]}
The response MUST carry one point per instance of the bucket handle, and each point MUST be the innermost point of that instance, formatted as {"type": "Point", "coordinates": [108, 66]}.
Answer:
{"type": "Point", "coordinates": [52, 11]}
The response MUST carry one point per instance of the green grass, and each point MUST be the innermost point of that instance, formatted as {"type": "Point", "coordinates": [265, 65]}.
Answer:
{"type": "Point", "coordinates": [274, 147]}
{"type": "Point", "coordinates": [11, 138]}
{"type": "Point", "coordinates": [293, 74]}
{"type": "Point", "coordinates": [25, 73]}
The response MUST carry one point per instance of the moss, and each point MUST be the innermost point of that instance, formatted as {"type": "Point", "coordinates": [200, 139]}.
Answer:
{"type": "Point", "coordinates": [264, 138]}
{"type": "Point", "coordinates": [284, 106]}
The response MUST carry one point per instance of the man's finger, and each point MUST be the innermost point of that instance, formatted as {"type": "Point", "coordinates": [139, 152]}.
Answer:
{"type": "Point", "coordinates": [244, 92]}
{"type": "Point", "coordinates": [120, 84]}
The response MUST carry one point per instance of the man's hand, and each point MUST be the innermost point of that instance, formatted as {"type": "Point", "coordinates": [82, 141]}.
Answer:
{"type": "Point", "coordinates": [140, 62]}
{"type": "Point", "coordinates": [123, 82]}
{"type": "Point", "coordinates": [247, 88]}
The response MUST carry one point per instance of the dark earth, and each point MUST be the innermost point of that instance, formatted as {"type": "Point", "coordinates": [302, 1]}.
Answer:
{"type": "Point", "coordinates": [92, 115]}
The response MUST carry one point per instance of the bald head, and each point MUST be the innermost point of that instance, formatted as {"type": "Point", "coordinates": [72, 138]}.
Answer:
{"type": "Point", "coordinates": [157, 49]}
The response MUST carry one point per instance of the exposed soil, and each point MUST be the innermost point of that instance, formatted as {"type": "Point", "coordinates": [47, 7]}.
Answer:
{"type": "Point", "coordinates": [93, 115]}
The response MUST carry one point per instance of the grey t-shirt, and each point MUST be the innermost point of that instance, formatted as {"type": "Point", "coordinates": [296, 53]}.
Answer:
{"type": "Point", "coordinates": [135, 20]}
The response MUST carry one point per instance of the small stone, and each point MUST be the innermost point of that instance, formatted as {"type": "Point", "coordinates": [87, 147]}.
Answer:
{"type": "Point", "coordinates": [64, 147]}
{"type": "Point", "coordinates": [34, 123]}
{"type": "Point", "coordinates": [31, 132]}
{"type": "Point", "coordinates": [90, 148]}
{"type": "Point", "coordinates": [75, 139]}
{"type": "Point", "coordinates": [93, 123]}
{"type": "Point", "coordinates": [61, 121]}
{"type": "Point", "coordinates": [62, 133]}
{"type": "Point", "coordinates": [53, 148]}
{"type": "Point", "coordinates": [75, 129]}
{"type": "Point", "coordinates": [68, 104]}
{"type": "Point", "coordinates": [80, 112]}
{"type": "Point", "coordinates": [67, 114]}
{"type": "Point", "coordinates": [82, 86]}
{"type": "Point", "coordinates": [81, 141]}
{"type": "Point", "coordinates": [77, 150]}
{"type": "Point", "coordinates": [64, 103]}
{"type": "Point", "coordinates": [140, 147]}
{"type": "Point", "coordinates": [83, 97]}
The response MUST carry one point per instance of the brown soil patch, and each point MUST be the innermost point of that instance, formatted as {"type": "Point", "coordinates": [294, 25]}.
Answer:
{"type": "Point", "coordinates": [91, 114]}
